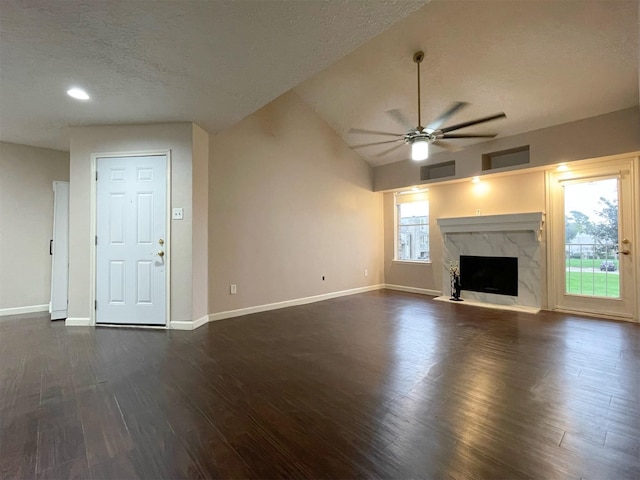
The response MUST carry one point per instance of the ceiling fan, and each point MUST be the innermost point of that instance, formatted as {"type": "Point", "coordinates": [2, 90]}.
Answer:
{"type": "Point", "coordinates": [421, 137]}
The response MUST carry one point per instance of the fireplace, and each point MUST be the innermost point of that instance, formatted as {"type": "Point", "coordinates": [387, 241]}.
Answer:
{"type": "Point", "coordinates": [498, 275]}
{"type": "Point", "coordinates": [490, 239]}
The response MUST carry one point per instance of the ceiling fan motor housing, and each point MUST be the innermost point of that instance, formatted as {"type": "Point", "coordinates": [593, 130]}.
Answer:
{"type": "Point", "coordinates": [418, 135]}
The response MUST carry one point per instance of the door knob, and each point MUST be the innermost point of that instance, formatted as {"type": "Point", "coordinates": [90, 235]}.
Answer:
{"type": "Point", "coordinates": [160, 253]}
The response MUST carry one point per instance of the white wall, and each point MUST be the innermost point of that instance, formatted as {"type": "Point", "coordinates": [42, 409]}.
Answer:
{"type": "Point", "coordinates": [85, 141]}
{"type": "Point", "coordinates": [26, 224]}
{"type": "Point", "coordinates": [289, 203]}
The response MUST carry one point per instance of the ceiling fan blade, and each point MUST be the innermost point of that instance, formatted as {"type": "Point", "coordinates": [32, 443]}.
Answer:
{"type": "Point", "coordinates": [470, 135]}
{"type": "Point", "coordinates": [399, 117]}
{"type": "Point", "coordinates": [375, 143]}
{"type": "Point", "coordinates": [447, 146]}
{"type": "Point", "coordinates": [382, 154]}
{"type": "Point", "coordinates": [446, 115]}
{"type": "Point", "coordinates": [374, 132]}
{"type": "Point", "coordinates": [473, 122]}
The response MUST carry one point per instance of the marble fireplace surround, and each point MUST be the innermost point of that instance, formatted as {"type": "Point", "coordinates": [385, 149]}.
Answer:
{"type": "Point", "coordinates": [511, 235]}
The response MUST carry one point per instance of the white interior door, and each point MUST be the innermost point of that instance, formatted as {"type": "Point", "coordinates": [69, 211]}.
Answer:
{"type": "Point", "coordinates": [59, 250]}
{"type": "Point", "coordinates": [593, 244]}
{"type": "Point", "coordinates": [131, 226]}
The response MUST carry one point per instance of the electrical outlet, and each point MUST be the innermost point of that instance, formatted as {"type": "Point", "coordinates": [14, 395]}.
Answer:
{"type": "Point", "coordinates": [478, 212]}
{"type": "Point", "coordinates": [233, 289]}
{"type": "Point", "coordinates": [366, 272]}
{"type": "Point", "coordinates": [177, 214]}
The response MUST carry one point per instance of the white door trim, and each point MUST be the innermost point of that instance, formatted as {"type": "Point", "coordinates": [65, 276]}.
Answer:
{"type": "Point", "coordinates": [93, 230]}
{"type": "Point", "coordinates": [59, 250]}
{"type": "Point", "coordinates": [630, 161]}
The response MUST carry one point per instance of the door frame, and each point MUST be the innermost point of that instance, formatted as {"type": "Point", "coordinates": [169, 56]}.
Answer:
{"type": "Point", "coordinates": [59, 283]}
{"type": "Point", "coordinates": [94, 226]}
{"type": "Point", "coordinates": [623, 162]}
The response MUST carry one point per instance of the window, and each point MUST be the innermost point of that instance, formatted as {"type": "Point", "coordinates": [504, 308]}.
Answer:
{"type": "Point", "coordinates": [412, 227]}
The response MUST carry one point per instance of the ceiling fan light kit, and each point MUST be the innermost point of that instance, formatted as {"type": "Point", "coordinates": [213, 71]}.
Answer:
{"type": "Point", "coordinates": [420, 149]}
{"type": "Point", "coordinates": [421, 137]}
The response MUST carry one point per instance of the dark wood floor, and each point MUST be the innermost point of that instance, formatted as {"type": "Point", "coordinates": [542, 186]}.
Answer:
{"type": "Point", "coordinates": [378, 385]}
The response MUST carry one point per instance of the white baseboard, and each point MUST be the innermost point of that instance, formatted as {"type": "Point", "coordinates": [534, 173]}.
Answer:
{"type": "Point", "coordinates": [180, 325]}
{"type": "Point", "coordinates": [183, 325]}
{"type": "Point", "coordinates": [422, 291]}
{"type": "Point", "coordinates": [587, 313]}
{"type": "Point", "coordinates": [186, 325]}
{"type": "Point", "coordinates": [290, 303]}
{"type": "Point", "coordinates": [21, 310]}
{"type": "Point", "coordinates": [77, 322]}
{"type": "Point", "coordinates": [201, 321]}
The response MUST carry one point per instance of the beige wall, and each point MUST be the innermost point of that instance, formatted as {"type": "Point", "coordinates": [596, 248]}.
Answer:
{"type": "Point", "coordinates": [26, 222]}
{"type": "Point", "coordinates": [289, 203]}
{"type": "Point", "coordinates": [85, 141]}
{"type": "Point", "coordinates": [610, 134]}
{"type": "Point", "coordinates": [517, 193]}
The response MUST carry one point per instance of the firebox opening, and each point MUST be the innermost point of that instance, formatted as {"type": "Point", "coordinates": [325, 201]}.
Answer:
{"type": "Point", "coordinates": [489, 274]}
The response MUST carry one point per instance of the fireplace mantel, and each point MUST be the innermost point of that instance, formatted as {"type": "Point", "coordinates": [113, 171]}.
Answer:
{"type": "Point", "coordinates": [514, 222]}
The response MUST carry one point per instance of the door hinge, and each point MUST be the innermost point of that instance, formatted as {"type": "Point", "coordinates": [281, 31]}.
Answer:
{"type": "Point", "coordinates": [96, 238]}
{"type": "Point", "coordinates": [95, 304]}
{"type": "Point", "coordinates": [96, 175]}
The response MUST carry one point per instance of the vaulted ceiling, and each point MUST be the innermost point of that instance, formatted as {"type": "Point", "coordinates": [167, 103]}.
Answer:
{"type": "Point", "coordinates": [213, 63]}
{"type": "Point", "coordinates": [543, 63]}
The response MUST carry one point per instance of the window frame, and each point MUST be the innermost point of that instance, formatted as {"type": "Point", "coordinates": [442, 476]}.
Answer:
{"type": "Point", "coordinates": [420, 196]}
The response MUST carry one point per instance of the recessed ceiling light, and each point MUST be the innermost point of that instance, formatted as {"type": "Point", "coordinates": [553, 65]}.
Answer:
{"type": "Point", "coordinates": [78, 94]}
{"type": "Point", "coordinates": [563, 167]}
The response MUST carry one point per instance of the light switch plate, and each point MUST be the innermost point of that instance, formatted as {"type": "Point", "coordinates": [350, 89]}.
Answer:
{"type": "Point", "coordinates": [177, 214]}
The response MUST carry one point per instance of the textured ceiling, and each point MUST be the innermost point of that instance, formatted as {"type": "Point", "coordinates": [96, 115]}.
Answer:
{"type": "Point", "coordinates": [541, 62]}
{"type": "Point", "coordinates": [210, 62]}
